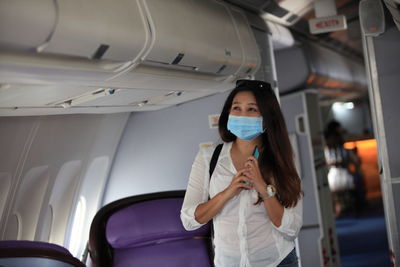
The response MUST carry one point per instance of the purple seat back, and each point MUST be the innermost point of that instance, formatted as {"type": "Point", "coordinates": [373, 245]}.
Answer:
{"type": "Point", "coordinates": [35, 253]}
{"type": "Point", "coordinates": [182, 253]}
{"type": "Point", "coordinates": [149, 223]}
{"type": "Point", "coordinates": [150, 233]}
{"type": "Point", "coordinates": [146, 230]}
{"type": "Point", "coordinates": [17, 244]}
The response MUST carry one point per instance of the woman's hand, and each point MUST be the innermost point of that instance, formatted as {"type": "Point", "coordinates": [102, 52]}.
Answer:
{"type": "Point", "coordinates": [239, 182]}
{"type": "Point", "coordinates": [272, 206]}
{"type": "Point", "coordinates": [252, 171]}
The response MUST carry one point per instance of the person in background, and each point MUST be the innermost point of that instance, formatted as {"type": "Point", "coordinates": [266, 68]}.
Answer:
{"type": "Point", "coordinates": [255, 204]}
{"type": "Point", "coordinates": [339, 159]}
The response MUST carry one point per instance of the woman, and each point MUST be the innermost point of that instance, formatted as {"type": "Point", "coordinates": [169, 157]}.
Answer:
{"type": "Point", "coordinates": [255, 205]}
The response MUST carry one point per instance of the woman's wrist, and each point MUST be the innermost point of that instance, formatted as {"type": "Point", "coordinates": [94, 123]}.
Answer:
{"type": "Point", "coordinates": [268, 191]}
{"type": "Point", "coordinates": [224, 195]}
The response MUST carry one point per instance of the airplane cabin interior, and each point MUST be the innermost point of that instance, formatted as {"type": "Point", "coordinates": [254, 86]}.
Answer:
{"type": "Point", "coordinates": [104, 105]}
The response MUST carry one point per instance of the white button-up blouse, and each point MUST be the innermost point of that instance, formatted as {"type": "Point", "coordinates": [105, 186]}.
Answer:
{"type": "Point", "coordinates": [243, 233]}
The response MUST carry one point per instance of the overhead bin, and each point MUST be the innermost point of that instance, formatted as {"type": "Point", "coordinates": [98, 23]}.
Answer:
{"type": "Point", "coordinates": [99, 29]}
{"type": "Point", "coordinates": [26, 24]}
{"type": "Point", "coordinates": [70, 41]}
{"type": "Point", "coordinates": [106, 38]}
{"type": "Point", "coordinates": [251, 57]}
{"type": "Point", "coordinates": [317, 67]}
{"type": "Point", "coordinates": [292, 69]}
{"type": "Point", "coordinates": [329, 68]}
{"type": "Point", "coordinates": [199, 35]}
{"type": "Point", "coordinates": [155, 47]}
{"type": "Point", "coordinates": [93, 29]}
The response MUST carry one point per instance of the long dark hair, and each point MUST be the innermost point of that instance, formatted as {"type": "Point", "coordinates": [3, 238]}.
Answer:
{"type": "Point", "coordinates": [276, 159]}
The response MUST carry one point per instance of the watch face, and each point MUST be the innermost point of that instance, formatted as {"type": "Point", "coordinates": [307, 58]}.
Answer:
{"type": "Point", "coordinates": [271, 190]}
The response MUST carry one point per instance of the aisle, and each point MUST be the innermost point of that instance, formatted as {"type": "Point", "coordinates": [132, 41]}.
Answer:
{"type": "Point", "coordinates": [363, 240]}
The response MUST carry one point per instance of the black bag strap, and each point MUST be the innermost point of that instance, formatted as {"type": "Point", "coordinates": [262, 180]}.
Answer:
{"type": "Point", "coordinates": [214, 158]}
{"type": "Point", "coordinates": [213, 163]}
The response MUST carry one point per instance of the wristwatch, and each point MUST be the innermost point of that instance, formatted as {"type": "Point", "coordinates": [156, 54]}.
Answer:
{"type": "Point", "coordinates": [270, 191]}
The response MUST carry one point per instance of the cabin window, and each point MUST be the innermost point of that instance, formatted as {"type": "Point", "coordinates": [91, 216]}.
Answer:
{"type": "Point", "coordinates": [77, 226]}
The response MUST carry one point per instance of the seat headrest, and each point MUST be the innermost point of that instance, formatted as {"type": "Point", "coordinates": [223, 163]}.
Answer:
{"type": "Point", "coordinates": [16, 244]}
{"type": "Point", "coordinates": [149, 222]}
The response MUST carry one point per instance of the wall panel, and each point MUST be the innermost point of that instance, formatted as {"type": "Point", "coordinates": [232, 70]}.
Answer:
{"type": "Point", "coordinates": [28, 203]}
{"type": "Point", "coordinates": [43, 167]}
{"type": "Point", "coordinates": [158, 148]}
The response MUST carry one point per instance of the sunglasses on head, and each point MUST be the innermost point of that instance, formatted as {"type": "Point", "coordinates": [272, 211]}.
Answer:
{"type": "Point", "coordinates": [252, 84]}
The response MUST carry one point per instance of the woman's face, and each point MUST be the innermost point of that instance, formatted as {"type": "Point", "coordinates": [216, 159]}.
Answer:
{"type": "Point", "coordinates": [245, 104]}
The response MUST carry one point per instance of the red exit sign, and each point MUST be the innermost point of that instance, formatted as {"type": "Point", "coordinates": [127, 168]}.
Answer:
{"type": "Point", "coordinates": [327, 24]}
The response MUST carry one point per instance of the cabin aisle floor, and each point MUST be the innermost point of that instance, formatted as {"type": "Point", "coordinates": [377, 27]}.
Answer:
{"type": "Point", "coordinates": [362, 237]}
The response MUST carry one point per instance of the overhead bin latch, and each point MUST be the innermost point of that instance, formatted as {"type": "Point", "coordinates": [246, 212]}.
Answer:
{"type": "Point", "coordinates": [178, 59]}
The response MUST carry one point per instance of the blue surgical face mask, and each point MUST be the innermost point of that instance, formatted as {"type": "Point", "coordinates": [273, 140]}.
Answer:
{"type": "Point", "coordinates": [244, 127]}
